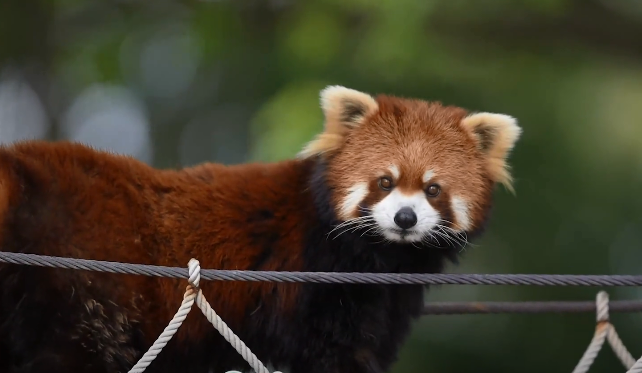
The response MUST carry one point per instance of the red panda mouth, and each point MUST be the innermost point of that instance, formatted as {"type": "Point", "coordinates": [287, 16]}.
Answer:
{"type": "Point", "coordinates": [405, 234]}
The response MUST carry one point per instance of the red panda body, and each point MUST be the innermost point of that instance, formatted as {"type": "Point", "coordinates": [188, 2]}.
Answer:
{"type": "Point", "coordinates": [330, 209]}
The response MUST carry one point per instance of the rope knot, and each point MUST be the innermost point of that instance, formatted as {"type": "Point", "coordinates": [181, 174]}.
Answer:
{"type": "Point", "coordinates": [194, 270]}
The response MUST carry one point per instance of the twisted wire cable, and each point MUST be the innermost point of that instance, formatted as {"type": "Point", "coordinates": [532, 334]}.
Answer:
{"type": "Point", "coordinates": [325, 277]}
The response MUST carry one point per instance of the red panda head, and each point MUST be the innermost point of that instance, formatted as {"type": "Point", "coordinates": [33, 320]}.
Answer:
{"type": "Point", "coordinates": [409, 169]}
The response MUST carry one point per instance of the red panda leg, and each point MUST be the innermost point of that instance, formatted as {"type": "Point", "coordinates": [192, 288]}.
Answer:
{"type": "Point", "coordinates": [49, 330]}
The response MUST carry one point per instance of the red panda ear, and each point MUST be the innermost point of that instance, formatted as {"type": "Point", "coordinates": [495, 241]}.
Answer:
{"type": "Point", "coordinates": [344, 109]}
{"type": "Point", "coordinates": [496, 135]}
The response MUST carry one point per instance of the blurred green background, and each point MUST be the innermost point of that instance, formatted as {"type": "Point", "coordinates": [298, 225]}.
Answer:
{"type": "Point", "coordinates": [176, 83]}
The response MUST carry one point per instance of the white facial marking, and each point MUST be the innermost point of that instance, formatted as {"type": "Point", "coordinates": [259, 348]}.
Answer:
{"type": "Point", "coordinates": [460, 209]}
{"type": "Point", "coordinates": [356, 194]}
{"type": "Point", "coordinates": [384, 214]}
{"type": "Point", "coordinates": [427, 176]}
{"type": "Point", "coordinates": [394, 170]}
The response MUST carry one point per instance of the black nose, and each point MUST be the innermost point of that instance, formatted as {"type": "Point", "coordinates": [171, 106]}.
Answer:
{"type": "Point", "coordinates": [405, 218]}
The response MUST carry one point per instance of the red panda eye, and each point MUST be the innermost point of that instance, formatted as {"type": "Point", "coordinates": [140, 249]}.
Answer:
{"type": "Point", "coordinates": [385, 183]}
{"type": "Point", "coordinates": [433, 190]}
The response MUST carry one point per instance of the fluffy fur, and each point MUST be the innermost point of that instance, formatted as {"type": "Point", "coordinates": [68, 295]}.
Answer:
{"type": "Point", "coordinates": [65, 199]}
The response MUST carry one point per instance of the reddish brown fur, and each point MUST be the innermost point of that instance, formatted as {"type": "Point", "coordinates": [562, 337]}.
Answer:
{"type": "Point", "coordinates": [126, 211]}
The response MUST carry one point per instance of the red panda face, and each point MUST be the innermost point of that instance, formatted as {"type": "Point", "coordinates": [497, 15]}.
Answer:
{"type": "Point", "coordinates": [411, 170]}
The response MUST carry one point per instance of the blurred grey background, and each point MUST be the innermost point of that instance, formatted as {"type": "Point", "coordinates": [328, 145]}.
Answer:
{"type": "Point", "coordinates": [175, 83]}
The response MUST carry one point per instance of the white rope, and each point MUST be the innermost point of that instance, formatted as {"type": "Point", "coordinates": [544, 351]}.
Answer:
{"type": "Point", "coordinates": [194, 293]}
{"type": "Point", "coordinates": [601, 330]}
{"type": "Point", "coordinates": [188, 300]}
{"type": "Point", "coordinates": [606, 331]}
{"type": "Point", "coordinates": [637, 367]}
{"type": "Point", "coordinates": [619, 349]}
{"type": "Point", "coordinates": [229, 335]}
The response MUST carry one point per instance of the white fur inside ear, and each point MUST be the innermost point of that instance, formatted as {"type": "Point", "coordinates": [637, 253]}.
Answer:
{"type": "Point", "coordinates": [504, 131]}
{"type": "Point", "coordinates": [346, 105]}
{"type": "Point", "coordinates": [496, 135]}
{"type": "Point", "coordinates": [344, 109]}
{"type": "Point", "coordinates": [333, 96]}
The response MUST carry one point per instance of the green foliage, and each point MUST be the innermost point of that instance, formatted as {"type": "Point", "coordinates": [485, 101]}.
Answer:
{"type": "Point", "coordinates": [302, 47]}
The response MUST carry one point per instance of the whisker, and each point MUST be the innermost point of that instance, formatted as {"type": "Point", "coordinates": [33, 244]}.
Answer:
{"type": "Point", "coordinates": [460, 237]}
{"type": "Point", "coordinates": [350, 222]}
{"type": "Point", "coordinates": [444, 236]}
{"type": "Point", "coordinates": [369, 229]}
{"type": "Point", "coordinates": [427, 242]}
{"type": "Point", "coordinates": [362, 226]}
{"type": "Point", "coordinates": [453, 240]}
{"type": "Point", "coordinates": [454, 235]}
{"type": "Point", "coordinates": [353, 225]}
{"type": "Point", "coordinates": [446, 221]}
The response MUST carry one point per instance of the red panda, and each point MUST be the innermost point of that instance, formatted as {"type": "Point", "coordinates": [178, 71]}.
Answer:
{"type": "Point", "coordinates": [390, 185]}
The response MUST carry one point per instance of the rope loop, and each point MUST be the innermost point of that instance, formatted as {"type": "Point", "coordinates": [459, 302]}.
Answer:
{"type": "Point", "coordinates": [194, 294]}
{"type": "Point", "coordinates": [602, 303]}
{"type": "Point", "coordinates": [604, 330]}
{"type": "Point", "coordinates": [194, 270]}
{"type": "Point", "coordinates": [601, 331]}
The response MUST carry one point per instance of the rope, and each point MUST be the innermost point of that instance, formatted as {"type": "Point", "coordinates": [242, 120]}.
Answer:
{"type": "Point", "coordinates": [177, 321]}
{"type": "Point", "coordinates": [229, 335]}
{"type": "Point", "coordinates": [325, 277]}
{"type": "Point", "coordinates": [604, 331]}
{"type": "Point", "coordinates": [194, 293]}
{"type": "Point", "coordinates": [619, 349]}
{"type": "Point", "coordinates": [637, 367]}
{"type": "Point", "coordinates": [601, 330]}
